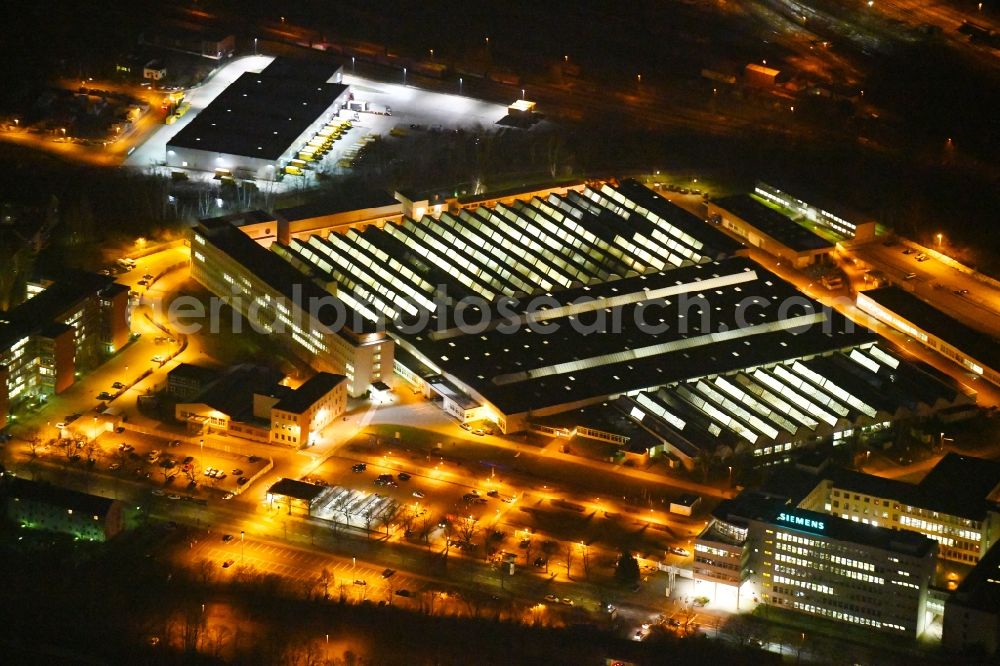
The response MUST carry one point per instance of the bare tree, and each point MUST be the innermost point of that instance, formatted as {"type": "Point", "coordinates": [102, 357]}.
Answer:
{"type": "Point", "coordinates": [369, 517]}
{"type": "Point", "coordinates": [386, 517]}
{"type": "Point", "coordinates": [467, 528]}
{"type": "Point", "coordinates": [325, 578]}
{"type": "Point", "coordinates": [569, 558]}
{"type": "Point", "coordinates": [191, 472]}
{"type": "Point", "coordinates": [34, 441]}
{"type": "Point", "coordinates": [549, 548]}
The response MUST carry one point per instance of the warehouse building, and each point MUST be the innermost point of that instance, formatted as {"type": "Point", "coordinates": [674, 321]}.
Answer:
{"type": "Point", "coordinates": [64, 328]}
{"type": "Point", "coordinates": [831, 215]}
{"type": "Point", "coordinates": [813, 563]}
{"type": "Point", "coordinates": [258, 123]}
{"type": "Point", "coordinates": [976, 352]}
{"type": "Point", "coordinates": [764, 227]}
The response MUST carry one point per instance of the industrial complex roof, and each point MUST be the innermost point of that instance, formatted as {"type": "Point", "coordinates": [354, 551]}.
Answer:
{"type": "Point", "coordinates": [971, 342]}
{"type": "Point", "coordinates": [769, 221]}
{"type": "Point", "coordinates": [638, 333]}
{"type": "Point", "coordinates": [258, 116]}
{"type": "Point", "coordinates": [312, 390]}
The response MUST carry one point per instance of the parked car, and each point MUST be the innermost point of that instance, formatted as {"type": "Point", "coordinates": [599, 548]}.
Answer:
{"type": "Point", "coordinates": [118, 386]}
{"type": "Point", "coordinates": [242, 481]}
{"type": "Point", "coordinates": [226, 538]}
{"type": "Point", "coordinates": [403, 593]}
{"type": "Point", "coordinates": [418, 494]}
{"type": "Point", "coordinates": [360, 467]}
{"type": "Point", "coordinates": [403, 476]}
{"type": "Point", "coordinates": [228, 563]}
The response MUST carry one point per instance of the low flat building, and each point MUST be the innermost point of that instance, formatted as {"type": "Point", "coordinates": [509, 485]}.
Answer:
{"type": "Point", "coordinates": [186, 382]}
{"type": "Point", "coordinates": [36, 505]}
{"type": "Point", "coordinates": [972, 613]}
{"type": "Point", "coordinates": [832, 215]}
{"type": "Point", "coordinates": [237, 403]}
{"type": "Point", "coordinates": [765, 228]}
{"type": "Point", "coordinates": [66, 327]}
{"type": "Point", "coordinates": [817, 564]}
{"type": "Point", "coordinates": [976, 352]}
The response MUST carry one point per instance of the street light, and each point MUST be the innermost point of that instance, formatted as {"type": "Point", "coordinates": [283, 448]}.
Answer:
{"type": "Point", "coordinates": [939, 237]}
{"type": "Point", "coordinates": [241, 546]}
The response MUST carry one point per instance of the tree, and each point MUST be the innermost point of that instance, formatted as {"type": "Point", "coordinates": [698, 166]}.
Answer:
{"type": "Point", "coordinates": [386, 517]}
{"type": "Point", "coordinates": [549, 549]}
{"type": "Point", "coordinates": [325, 578]}
{"type": "Point", "coordinates": [627, 569]}
{"type": "Point", "coordinates": [192, 472]}
{"type": "Point", "coordinates": [569, 558]}
{"type": "Point", "coordinates": [467, 528]}
{"type": "Point", "coordinates": [34, 441]}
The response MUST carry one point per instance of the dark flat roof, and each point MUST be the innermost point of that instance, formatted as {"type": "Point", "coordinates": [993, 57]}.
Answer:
{"type": "Point", "coordinates": [193, 372]}
{"type": "Point", "coordinates": [976, 345]}
{"type": "Point", "coordinates": [277, 273]}
{"type": "Point", "coordinates": [296, 489]}
{"type": "Point", "coordinates": [606, 417]}
{"type": "Point", "coordinates": [961, 485]}
{"type": "Point", "coordinates": [258, 116]}
{"type": "Point", "coordinates": [344, 202]}
{"type": "Point", "coordinates": [303, 70]}
{"type": "Point", "coordinates": [41, 310]}
{"type": "Point", "coordinates": [981, 587]}
{"type": "Point", "coordinates": [769, 221]}
{"type": "Point", "coordinates": [312, 390]}
{"type": "Point", "coordinates": [46, 493]}
{"type": "Point", "coordinates": [232, 394]}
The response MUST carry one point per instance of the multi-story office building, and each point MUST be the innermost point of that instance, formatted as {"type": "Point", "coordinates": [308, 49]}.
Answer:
{"type": "Point", "coordinates": [64, 328]}
{"type": "Point", "coordinates": [955, 504]}
{"type": "Point", "coordinates": [273, 296]}
{"type": "Point", "coordinates": [298, 417]}
{"type": "Point", "coordinates": [822, 565]}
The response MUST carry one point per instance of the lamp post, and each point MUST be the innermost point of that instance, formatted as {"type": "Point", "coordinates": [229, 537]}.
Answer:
{"type": "Point", "coordinates": [460, 85]}
{"type": "Point", "coordinates": [939, 238]}
{"type": "Point", "coordinates": [241, 546]}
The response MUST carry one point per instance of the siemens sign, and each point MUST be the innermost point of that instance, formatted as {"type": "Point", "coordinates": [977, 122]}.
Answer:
{"type": "Point", "coordinates": [808, 523]}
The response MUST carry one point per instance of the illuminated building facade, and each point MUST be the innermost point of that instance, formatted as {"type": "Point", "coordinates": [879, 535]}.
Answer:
{"type": "Point", "coordinates": [65, 328]}
{"type": "Point", "coordinates": [298, 417]}
{"type": "Point", "coordinates": [272, 295]}
{"type": "Point", "coordinates": [974, 351]}
{"type": "Point", "coordinates": [955, 504]}
{"type": "Point", "coordinates": [46, 507]}
{"type": "Point", "coordinates": [821, 565]}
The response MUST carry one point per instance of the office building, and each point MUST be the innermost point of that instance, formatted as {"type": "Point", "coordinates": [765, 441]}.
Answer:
{"type": "Point", "coordinates": [296, 311]}
{"type": "Point", "coordinates": [831, 215]}
{"type": "Point", "coordinates": [37, 505]}
{"type": "Point", "coordinates": [299, 416]}
{"type": "Point", "coordinates": [65, 328]}
{"type": "Point", "coordinates": [956, 504]}
{"type": "Point", "coordinates": [249, 402]}
{"type": "Point", "coordinates": [817, 564]}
